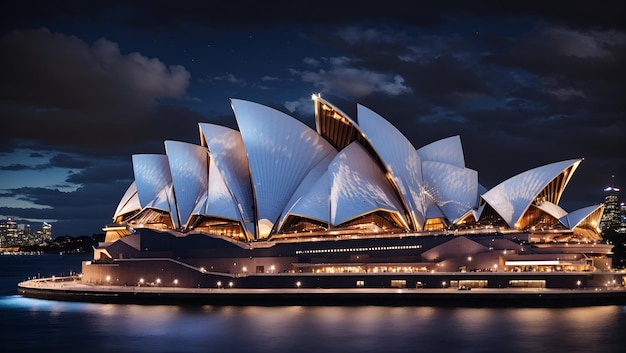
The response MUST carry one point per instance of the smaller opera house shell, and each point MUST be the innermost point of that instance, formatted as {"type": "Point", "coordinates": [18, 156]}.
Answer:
{"type": "Point", "coordinates": [353, 195]}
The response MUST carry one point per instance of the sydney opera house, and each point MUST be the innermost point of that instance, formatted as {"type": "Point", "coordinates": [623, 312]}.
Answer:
{"type": "Point", "coordinates": [350, 204]}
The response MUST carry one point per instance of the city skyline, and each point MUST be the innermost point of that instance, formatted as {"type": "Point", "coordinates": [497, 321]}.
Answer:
{"type": "Point", "coordinates": [86, 86]}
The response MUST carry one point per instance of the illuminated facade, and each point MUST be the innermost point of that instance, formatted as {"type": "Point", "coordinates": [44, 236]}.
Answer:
{"type": "Point", "coordinates": [351, 198]}
{"type": "Point", "coordinates": [612, 217]}
{"type": "Point", "coordinates": [276, 178]}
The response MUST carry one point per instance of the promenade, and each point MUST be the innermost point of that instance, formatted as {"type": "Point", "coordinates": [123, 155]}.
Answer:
{"type": "Point", "coordinates": [71, 289]}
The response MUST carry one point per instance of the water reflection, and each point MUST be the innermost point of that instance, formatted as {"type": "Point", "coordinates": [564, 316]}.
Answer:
{"type": "Point", "coordinates": [33, 324]}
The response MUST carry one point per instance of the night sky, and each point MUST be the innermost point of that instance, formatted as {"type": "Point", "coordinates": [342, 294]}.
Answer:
{"type": "Point", "coordinates": [86, 84]}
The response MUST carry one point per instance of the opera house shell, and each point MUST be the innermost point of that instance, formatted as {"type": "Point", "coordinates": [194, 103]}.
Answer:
{"type": "Point", "coordinates": [277, 178]}
{"type": "Point", "coordinates": [352, 195]}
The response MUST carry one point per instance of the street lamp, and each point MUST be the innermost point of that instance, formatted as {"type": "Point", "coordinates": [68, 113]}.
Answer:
{"type": "Point", "coordinates": [219, 284]}
{"type": "Point", "coordinates": [578, 284]}
{"type": "Point", "coordinates": [298, 284]}
{"type": "Point", "coordinates": [230, 284]}
{"type": "Point", "coordinates": [158, 281]}
{"type": "Point", "coordinates": [443, 284]}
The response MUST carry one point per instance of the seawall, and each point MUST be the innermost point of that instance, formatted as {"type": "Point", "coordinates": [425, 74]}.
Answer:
{"type": "Point", "coordinates": [72, 290]}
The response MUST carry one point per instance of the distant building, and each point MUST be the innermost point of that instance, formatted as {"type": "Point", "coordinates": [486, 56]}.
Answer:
{"type": "Point", "coordinates": [47, 229]}
{"type": "Point", "coordinates": [612, 216]}
{"type": "Point", "coordinates": [622, 228]}
{"type": "Point", "coordinates": [14, 234]}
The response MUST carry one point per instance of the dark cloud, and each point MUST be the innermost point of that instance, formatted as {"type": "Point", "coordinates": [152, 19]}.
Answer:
{"type": "Point", "coordinates": [60, 160]}
{"type": "Point", "coordinates": [524, 84]}
{"type": "Point", "coordinates": [120, 170]}
{"type": "Point", "coordinates": [559, 51]}
{"type": "Point", "coordinates": [15, 167]}
{"type": "Point", "coordinates": [37, 65]}
{"type": "Point", "coordinates": [63, 160]}
{"type": "Point", "coordinates": [59, 90]}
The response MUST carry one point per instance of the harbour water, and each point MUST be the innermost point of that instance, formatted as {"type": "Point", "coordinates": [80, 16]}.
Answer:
{"type": "Point", "coordinates": [29, 325]}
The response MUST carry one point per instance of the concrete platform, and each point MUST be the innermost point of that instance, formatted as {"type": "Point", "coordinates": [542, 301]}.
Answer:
{"type": "Point", "coordinates": [71, 289]}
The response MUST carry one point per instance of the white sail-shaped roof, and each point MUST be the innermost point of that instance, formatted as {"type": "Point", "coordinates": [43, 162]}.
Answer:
{"type": "Point", "coordinates": [188, 165]}
{"type": "Point", "coordinates": [432, 209]}
{"type": "Point", "coordinates": [553, 210]}
{"type": "Point", "coordinates": [152, 174]}
{"type": "Point", "coordinates": [165, 201]}
{"type": "Point", "coordinates": [358, 186]}
{"type": "Point", "coordinates": [448, 150]}
{"type": "Point", "coordinates": [400, 159]}
{"type": "Point", "coordinates": [306, 186]}
{"type": "Point", "coordinates": [129, 202]}
{"type": "Point", "coordinates": [227, 150]}
{"type": "Point", "coordinates": [276, 167]}
{"type": "Point", "coordinates": [574, 218]}
{"type": "Point", "coordinates": [281, 151]}
{"type": "Point", "coordinates": [315, 204]}
{"type": "Point", "coordinates": [453, 188]}
{"type": "Point", "coordinates": [220, 201]}
{"type": "Point", "coordinates": [512, 197]}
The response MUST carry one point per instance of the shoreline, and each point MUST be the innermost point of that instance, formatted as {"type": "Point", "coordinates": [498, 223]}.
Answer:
{"type": "Point", "coordinates": [70, 289]}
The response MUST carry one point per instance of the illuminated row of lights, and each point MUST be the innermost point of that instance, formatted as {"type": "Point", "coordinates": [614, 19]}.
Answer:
{"type": "Point", "coordinates": [374, 248]}
{"type": "Point", "coordinates": [158, 281]}
{"type": "Point", "coordinates": [231, 284]}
